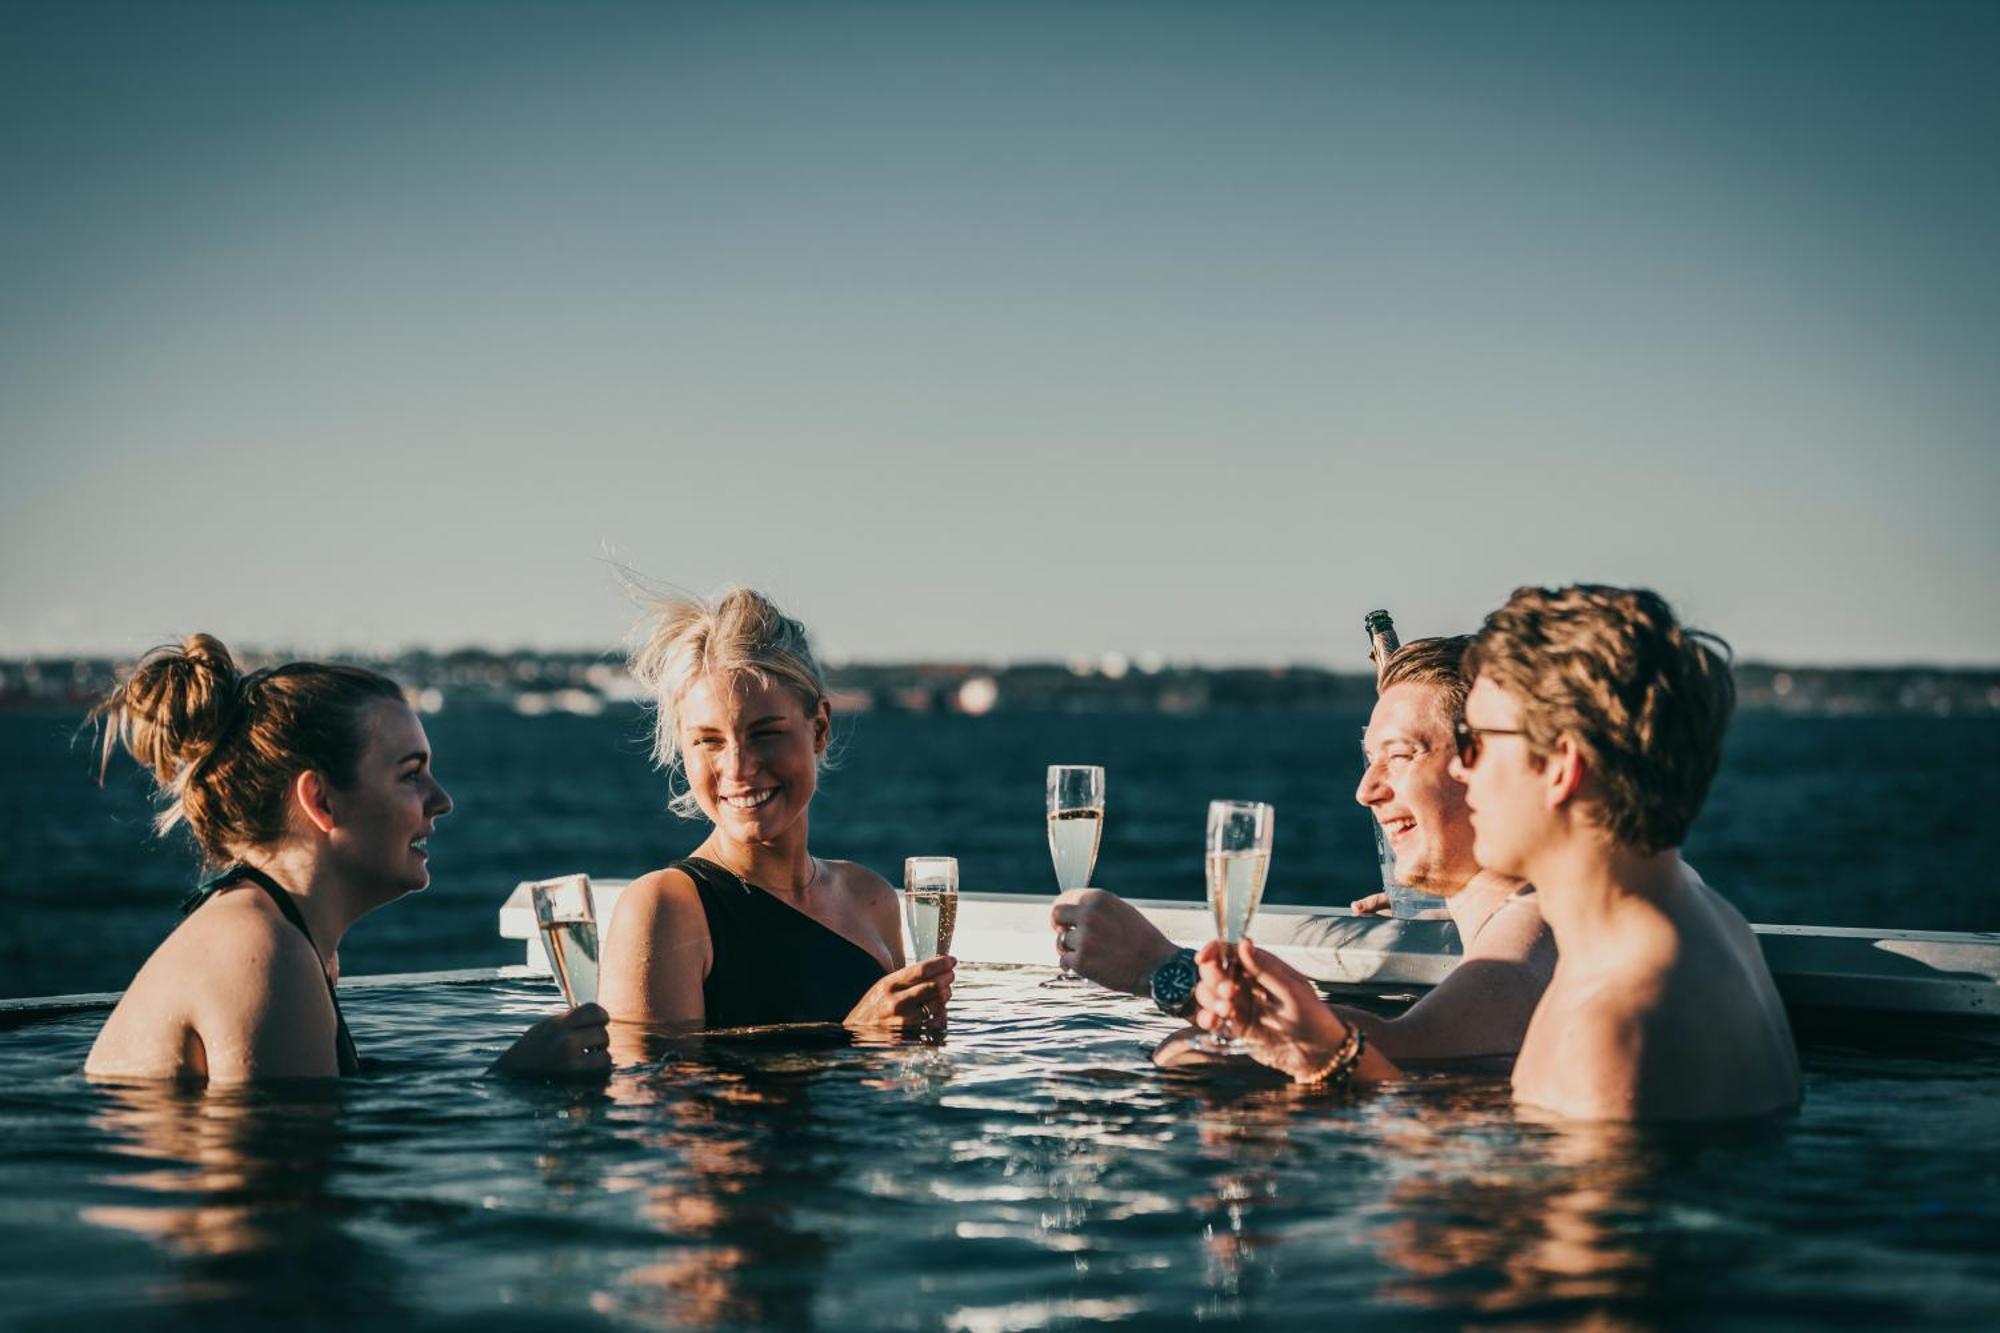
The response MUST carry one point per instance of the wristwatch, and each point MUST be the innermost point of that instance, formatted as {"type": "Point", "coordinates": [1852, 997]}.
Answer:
{"type": "Point", "coordinates": [1172, 984]}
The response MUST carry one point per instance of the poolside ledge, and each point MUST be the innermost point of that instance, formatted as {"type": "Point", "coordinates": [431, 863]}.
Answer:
{"type": "Point", "coordinates": [1819, 968]}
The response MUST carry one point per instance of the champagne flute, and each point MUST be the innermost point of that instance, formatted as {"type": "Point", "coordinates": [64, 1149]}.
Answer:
{"type": "Point", "coordinates": [567, 917]}
{"type": "Point", "coordinates": [930, 904]}
{"type": "Point", "coordinates": [1076, 824]}
{"type": "Point", "coordinates": [1239, 857]}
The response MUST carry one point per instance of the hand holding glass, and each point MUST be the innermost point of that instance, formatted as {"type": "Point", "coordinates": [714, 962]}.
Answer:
{"type": "Point", "coordinates": [930, 904]}
{"type": "Point", "coordinates": [567, 918]}
{"type": "Point", "coordinates": [1238, 859]}
{"type": "Point", "coordinates": [1076, 824]}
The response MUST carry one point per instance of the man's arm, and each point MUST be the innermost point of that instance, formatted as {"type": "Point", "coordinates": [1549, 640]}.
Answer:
{"type": "Point", "coordinates": [1482, 1007]}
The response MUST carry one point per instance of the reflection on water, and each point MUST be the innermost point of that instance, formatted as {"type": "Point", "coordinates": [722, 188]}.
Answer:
{"type": "Point", "coordinates": [1030, 1170]}
{"type": "Point", "coordinates": [1512, 1228]}
{"type": "Point", "coordinates": [732, 1156]}
{"type": "Point", "coordinates": [235, 1185]}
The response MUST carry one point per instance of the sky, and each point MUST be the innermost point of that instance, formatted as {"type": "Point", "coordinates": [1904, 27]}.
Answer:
{"type": "Point", "coordinates": [998, 331]}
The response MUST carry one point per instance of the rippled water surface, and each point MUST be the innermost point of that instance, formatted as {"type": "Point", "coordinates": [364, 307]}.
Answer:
{"type": "Point", "coordinates": [1029, 1171]}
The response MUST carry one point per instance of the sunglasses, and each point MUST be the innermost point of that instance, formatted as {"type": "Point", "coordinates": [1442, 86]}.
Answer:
{"type": "Point", "coordinates": [1470, 740]}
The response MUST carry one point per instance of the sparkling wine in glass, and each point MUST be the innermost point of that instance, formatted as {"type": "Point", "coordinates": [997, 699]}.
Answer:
{"type": "Point", "coordinates": [567, 918]}
{"type": "Point", "coordinates": [1238, 859]}
{"type": "Point", "coordinates": [930, 904]}
{"type": "Point", "coordinates": [1076, 824]}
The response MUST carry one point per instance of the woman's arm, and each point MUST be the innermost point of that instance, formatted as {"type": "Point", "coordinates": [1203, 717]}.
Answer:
{"type": "Point", "coordinates": [657, 954]}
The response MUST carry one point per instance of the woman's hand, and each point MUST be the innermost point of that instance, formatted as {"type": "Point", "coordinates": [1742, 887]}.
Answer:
{"type": "Point", "coordinates": [912, 998]}
{"type": "Point", "coordinates": [568, 1045]}
{"type": "Point", "coordinates": [1269, 1006]}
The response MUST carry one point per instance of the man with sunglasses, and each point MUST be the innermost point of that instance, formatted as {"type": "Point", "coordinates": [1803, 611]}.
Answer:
{"type": "Point", "coordinates": [1590, 736]}
{"type": "Point", "coordinates": [1480, 1011]}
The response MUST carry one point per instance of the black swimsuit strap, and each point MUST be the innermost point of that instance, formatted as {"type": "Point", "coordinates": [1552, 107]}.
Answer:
{"type": "Point", "coordinates": [348, 1057]}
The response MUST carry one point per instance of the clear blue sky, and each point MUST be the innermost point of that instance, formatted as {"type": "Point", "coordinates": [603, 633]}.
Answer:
{"type": "Point", "coordinates": [998, 331]}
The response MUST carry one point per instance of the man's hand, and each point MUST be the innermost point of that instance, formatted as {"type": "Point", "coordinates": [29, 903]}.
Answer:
{"type": "Point", "coordinates": [1375, 904]}
{"type": "Point", "coordinates": [1263, 1001]}
{"type": "Point", "coordinates": [1101, 936]}
{"type": "Point", "coordinates": [569, 1045]}
{"type": "Point", "coordinates": [910, 999]}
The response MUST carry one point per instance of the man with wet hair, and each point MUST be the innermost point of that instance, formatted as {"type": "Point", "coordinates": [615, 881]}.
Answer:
{"type": "Point", "coordinates": [1481, 1010]}
{"type": "Point", "coordinates": [1591, 733]}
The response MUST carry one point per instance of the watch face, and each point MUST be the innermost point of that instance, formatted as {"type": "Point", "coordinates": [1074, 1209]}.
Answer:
{"type": "Point", "coordinates": [1173, 984]}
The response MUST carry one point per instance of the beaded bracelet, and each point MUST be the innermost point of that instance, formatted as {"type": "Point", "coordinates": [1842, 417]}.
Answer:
{"type": "Point", "coordinates": [1337, 1071]}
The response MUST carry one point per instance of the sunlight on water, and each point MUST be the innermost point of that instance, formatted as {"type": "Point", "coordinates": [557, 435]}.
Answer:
{"type": "Point", "coordinates": [1030, 1170]}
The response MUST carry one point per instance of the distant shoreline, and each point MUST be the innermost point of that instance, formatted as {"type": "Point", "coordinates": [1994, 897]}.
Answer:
{"type": "Point", "coordinates": [536, 683]}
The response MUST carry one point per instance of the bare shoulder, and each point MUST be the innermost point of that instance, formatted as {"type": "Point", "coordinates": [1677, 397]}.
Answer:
{"type": "Point", "coordinates": [1516, 933]}
{"type": "Point", "coordinates": [232, 953]}
{"type": "Point", "coordinates": [1722, 914]}
{"type": "Point", "coordinates": [254, 992]}
{"type": "Point", "coordinates": [872, 906]}
{"type": "Point", "coordinates": [657, 952]}
{"type": "Point", "coordinates": [658, 915]}
{"type": "Point", "coordinates": [255, 957]}
{"type": "Point", "coordinates": [861, 884]}
{"type": "Point", "coordinates": [656, 897]}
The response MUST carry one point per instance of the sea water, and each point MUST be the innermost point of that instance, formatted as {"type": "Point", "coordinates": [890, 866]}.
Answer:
{"type": "Point", "coordinates": [1840, 821]}
{"type": "Point", "coordinates": [1029, 1170]}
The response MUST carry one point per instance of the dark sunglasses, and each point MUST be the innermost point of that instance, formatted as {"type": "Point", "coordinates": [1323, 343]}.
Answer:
{"type": "Point", "coordinates": [1469, 740]}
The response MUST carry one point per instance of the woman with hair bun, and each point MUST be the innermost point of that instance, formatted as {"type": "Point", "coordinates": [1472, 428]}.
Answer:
{"type": "Point", "coordinates": [752, 928]}
{"type": "Point", "coordinates": [308, 788]}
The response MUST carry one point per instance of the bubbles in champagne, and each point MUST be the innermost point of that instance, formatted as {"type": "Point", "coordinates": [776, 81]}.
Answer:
{"type": "Point", "coordinates": [1073, 837]}
{"type": "Point", "coordinates": [1235, 888]}
{"type": "Point", "coordinates": [933, 915]}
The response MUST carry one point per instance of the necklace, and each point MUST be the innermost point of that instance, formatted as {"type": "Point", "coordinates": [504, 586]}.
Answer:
{"type": "Point", "coordinates": [812, 875]}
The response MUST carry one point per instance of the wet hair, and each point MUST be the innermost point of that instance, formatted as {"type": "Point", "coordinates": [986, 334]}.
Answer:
{"type": "Point", "coordinates": [224, 747]}
{"type": "Point", "coordinates": [1437, 663]}
{"type": "Point", "coordinates": [1647, 700]}
{"type": "Point", "coordinates": [740, 633]}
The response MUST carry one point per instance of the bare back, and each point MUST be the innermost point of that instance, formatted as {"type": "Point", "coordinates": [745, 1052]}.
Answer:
{"type": "Point", "coordinates": [1668, 1012]}
{"type": "Point", "coordinates": [235, 993]}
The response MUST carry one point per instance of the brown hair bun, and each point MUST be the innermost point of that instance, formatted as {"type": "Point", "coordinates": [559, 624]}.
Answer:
{"type": "Point", "coordinates": [223, 747]}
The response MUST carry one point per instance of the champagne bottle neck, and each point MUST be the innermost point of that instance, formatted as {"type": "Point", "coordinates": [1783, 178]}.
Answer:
{"type": "Point", "coordinates": [1382, 640]}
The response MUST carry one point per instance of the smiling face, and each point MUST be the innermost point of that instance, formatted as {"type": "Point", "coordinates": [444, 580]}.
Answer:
{"type": "Point", "coordinates": [1510, 812]}
{"type": "Point", "coordinates": [1409, 788]}
{"type": "Point", "coordinates": [751, 749]}
{"type": "Point", "coordinates": [384, 818]}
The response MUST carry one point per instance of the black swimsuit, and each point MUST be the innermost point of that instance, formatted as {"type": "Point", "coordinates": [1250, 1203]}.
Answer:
{"type": "Point", "coordinates": [773, 963]}
{"type": "Point", "coordinates": [343, 1043]}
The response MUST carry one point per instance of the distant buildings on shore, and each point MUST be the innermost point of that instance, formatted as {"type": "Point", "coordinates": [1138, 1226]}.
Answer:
{"type": "Point", "coordinates": [536, 683]}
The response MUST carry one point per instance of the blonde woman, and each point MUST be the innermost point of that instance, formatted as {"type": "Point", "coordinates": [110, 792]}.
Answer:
{"type": "Point", "coordinates": [308, 788]}
{"type": "Point", "coordinates": [751, 928]}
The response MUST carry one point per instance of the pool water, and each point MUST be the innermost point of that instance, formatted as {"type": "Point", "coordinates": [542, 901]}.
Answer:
{"type": "Point", "coordinates": [1030, 1170]}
